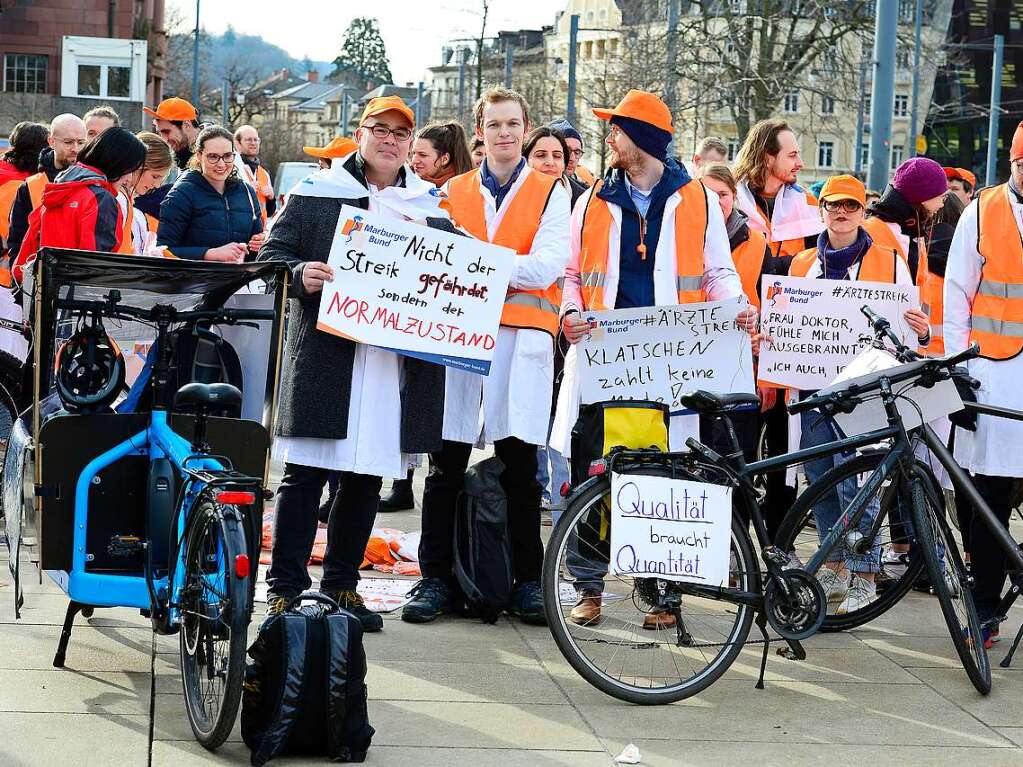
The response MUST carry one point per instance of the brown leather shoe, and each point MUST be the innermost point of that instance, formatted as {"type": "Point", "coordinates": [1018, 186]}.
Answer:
{"type": "Point", "coordinates": [587, 608]}
{"type": "Point", "coordinates": [658, 619]}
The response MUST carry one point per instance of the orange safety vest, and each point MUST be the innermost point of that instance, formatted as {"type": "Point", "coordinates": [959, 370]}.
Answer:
{"type": "Point", "coordinates": [749, 262]}
{"type": "Point", "coordinates": [583, 174]}
{"type": "Point", "coordinates": [534, 309]}
{"type": "Point", "coordinates": [261, 183]}
{"type": "Point", "coordinates": [690, 235]}
{"type": "Point", "coordinates": [7, 194]}
{"type": "Point", "coordinates": [127, 245]}
{"type": "Point", "coordinates": [877, 265]}
{"type": "Point", "coordinates": [36, 184]}
{"type": "Point", "coordinates": [997, 313]}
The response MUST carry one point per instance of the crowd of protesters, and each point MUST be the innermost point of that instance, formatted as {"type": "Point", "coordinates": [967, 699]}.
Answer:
{"type": "Point", "coordinates": [651, 231]}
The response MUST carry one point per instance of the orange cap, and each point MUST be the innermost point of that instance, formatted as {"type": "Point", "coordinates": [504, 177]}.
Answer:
{"type": "Point", "coordinates": [175, 109]}
{"type": "Point", "coordinates": [844, 187]}
{"type": "Point", "coordinates": [1016, 152]}
{"type": "Point", "coordinates": [963, 175]}
{"type": "Point", "coordinates": [643, 106]}
{"type": "Point", "coordinates": [338, 147]}
{"type": "Point", "coordinates": [382, 104]}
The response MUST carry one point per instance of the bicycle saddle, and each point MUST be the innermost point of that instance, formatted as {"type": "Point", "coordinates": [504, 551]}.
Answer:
{"type": "Point", "coordinates": [202, 396]}
{"type": "Point", "coordinates": [702, 401]}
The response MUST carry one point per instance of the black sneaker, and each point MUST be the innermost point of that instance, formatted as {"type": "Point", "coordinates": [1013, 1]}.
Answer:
{"type": "Point", "coordinates": [356, 605]}
{"type": "Point", "coordinates": [527, 603]}
{"type": "Point", "coordinates": [430, 597]}
{"type": "Point", "coordinates": [400, 498]}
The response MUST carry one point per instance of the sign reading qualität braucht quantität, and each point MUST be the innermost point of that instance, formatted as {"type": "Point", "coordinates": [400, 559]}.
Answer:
{"type": "Point", "coordinates": [814, 328]}
{"type": "Point", "coordinates": [418, 291]}
{"type": "Point", "coordinates": [670, 528]}
{"type": "Point", "coordinates": [659, 353]}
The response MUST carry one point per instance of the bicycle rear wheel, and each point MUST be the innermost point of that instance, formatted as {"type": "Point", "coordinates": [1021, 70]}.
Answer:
{"type": "Point", "coordinates": [215, 607]}
{"type": "Point", "coordinates": [948, 579]}
{"type": "Point", "coordinates": [799, 536]}
{"type": "Point", "coordinates": [615, 653]}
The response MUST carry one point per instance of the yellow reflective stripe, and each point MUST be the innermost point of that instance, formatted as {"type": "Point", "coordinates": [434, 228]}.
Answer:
{"type": "Point", "coordinates": [997, 327]}
{"type": "Point", "coordinates": [531, 301]}
{"type": "Point", "coordinates": [1000, 289]}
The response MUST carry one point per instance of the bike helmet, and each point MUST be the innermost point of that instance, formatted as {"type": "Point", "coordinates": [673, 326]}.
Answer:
{"type": "Point", "coordinates": [89, 369]}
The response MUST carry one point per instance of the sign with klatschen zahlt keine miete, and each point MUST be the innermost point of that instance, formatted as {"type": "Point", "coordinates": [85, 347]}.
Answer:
{"type": "Point", "coordinates": [814, 328]}
{"type": "Point", "coordinates": [659, 353]}
{"type": "Point", "coordinates": [418, 291]}
{"type": "Point", "coordinates": [673, 529]}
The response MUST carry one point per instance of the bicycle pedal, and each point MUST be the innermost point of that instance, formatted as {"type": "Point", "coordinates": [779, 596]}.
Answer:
{"type": "Point", "coordinates": [125, 546]}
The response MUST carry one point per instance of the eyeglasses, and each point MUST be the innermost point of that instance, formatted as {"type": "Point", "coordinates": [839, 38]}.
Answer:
{"type": "Point", "coordinates": [215, 159]}
{"type": "Point", "coordinates": [382, 132]}
{"type": "Point", "coordinates": [72, 142]}
{"type": "Point", "coordinates": [576, 152]}
{"type": "Point", "coordinates": [846, 206]}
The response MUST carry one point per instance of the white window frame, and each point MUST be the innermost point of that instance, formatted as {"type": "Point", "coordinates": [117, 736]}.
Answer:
{"type": "Point", "coordinates": [46, 71]}
{"type": "Point", "coordinates": [791, 103]}
{"type": "Point", "coordinates": [733, 148]}
{"type": "Point", "coordinates": [900, 105]}
{"type": "Point", "coordinates": [865, 154]}
{"type": "Point", "coordinates": [104, 53]}
{"type": "Point", "coordinates": [897, 155]}
{"type": "Point", "coordinates": [829, 147]}
{"type": "Point", "coordinates": [827, 105]}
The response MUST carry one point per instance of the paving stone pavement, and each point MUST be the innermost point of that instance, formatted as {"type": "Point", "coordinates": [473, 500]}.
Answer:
{"type": "Point", "coordinates": [460, 692]}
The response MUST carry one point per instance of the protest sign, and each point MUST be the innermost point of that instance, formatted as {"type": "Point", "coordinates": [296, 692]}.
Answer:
{"type": "Point", "coordinates": [670, 528]}
{"type": "Point", "coordinates": [814, 328]}
{"type": "Point", "coordinates": [659, 353]}
{"type": "Point", "coordinates": [418, 291]}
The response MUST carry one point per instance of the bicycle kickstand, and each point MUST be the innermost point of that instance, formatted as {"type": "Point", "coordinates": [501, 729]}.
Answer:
{"type": "Point", "coordinates": [762, 625]}
{"type": "Point", "coordinates": [1012, 650]}
{"type": "Point", "coordinates": [73, 609]}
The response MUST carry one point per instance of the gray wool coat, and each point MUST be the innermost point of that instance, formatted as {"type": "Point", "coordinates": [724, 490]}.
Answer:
{"type": "Point", "coordinates": [316, 375]}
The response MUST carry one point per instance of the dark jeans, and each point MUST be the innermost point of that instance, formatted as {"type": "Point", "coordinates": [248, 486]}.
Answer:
{"type": "Point", "coordinates": [348, 531]}
{"type": "Point", "coordinates": [446, 480]}
{"type": "Point", "coordinates": [987, 560]}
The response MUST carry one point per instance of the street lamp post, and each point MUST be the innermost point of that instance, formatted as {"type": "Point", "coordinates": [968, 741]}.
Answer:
{"type": "Point", "coordinates": [195, 60]}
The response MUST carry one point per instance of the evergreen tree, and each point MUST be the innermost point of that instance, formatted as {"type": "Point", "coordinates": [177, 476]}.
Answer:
{"type": "Point", "coordinates": [363, 52]}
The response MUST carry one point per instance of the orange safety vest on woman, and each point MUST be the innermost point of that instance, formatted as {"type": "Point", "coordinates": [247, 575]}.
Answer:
{"type": "Point", "coordinates": [749, 262]}
{"type": "Point", "coordinates": [127, 244]}
{"type": "Point", "coordinates": [997, 313]}
{"type": "Point", "coordinates": [532, 309]}
{"type": "Point", "coordinates": [690, 235]}
{"type": "Point", "coordinates": [8, 192]}
{"type": "Point", "coordinates": [36, 185]}
{"type": "Point", "coordinates": [877, 265]}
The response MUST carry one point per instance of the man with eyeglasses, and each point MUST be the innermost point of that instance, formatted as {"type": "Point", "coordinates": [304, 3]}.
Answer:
{"type": "Point", "coordinates": [247, 143]}
{"type": "Point", "coordinates": [67, 137]}
{"type": "Point", "coordinates": [984, 305]}
{"type": "Point", "coordinates": [574, 140]}
{"type": "Point", "coordinates": [346, 407]}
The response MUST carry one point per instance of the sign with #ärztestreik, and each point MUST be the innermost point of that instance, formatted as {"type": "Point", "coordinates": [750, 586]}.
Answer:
{"type": "Point", "coordinates": [814, 328]}
{"type": "Point", "coordinates": [417, 291]}
{"type": "Point", "coordinates": [669, 528]}
{"type": "Point", "coordinates": [659, 353]}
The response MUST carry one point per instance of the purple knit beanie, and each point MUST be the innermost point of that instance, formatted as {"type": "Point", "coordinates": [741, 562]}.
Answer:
{"type": "Point", "coordinates": [919, 179]}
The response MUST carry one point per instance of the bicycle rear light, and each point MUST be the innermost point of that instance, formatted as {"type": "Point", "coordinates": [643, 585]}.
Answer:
{"type": "Point", "coordinates": [597, 468]}
{"type": "Point", "coordinates": [236, 497]}
{"type": "Point", "coordinates": [241, 565]}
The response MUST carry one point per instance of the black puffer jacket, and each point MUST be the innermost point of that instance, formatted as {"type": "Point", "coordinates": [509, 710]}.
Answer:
{"type": "Point", "coordinates": [892, 208]}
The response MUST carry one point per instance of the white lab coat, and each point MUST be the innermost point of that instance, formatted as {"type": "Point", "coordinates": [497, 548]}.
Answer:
{"type": "Point", "coordinates": [720, 281]}
{"type": "Point", "coordinates": [993, 448]}
{"type": "Point", "coordinates": [514, 400]}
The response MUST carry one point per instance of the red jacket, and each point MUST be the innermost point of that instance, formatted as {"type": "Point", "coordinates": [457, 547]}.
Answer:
{"type": "Point", "coordinates": [79, 210]}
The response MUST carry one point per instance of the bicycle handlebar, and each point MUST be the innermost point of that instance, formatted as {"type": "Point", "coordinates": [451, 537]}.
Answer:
{"type": "Point", "coordinates": [163, 312]}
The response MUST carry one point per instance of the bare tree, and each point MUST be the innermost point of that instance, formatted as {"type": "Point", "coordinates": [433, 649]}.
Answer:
{"type": "Point", "coordinates": [479, 47]}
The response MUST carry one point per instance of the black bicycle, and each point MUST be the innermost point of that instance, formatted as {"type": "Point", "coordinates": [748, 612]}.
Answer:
{"type": "Point", "coordinates": [671, 658]}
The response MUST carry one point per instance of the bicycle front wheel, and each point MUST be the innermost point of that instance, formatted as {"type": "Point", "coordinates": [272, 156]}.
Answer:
{"type": "Point", "coordinates": [215, 608]}
{"type": "Point", "coordinates": [948, 579]}
{"type": "Point", "coordinates": [799, 537]}
{"type": "Point", "coordinates": [629, 649]}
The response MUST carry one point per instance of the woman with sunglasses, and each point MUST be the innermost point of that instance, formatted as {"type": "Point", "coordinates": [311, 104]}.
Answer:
{"type": "Point", "coordinates": [846, 252]}
{"type": "Point", "coordinates": [210, 214]}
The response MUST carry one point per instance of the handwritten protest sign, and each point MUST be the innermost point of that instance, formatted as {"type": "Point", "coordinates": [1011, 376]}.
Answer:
{"type": "Point", "coordinates": [815, 327]}
{"type": "Point", "coordinates": [670, 528]}
{"type": "Point", "coordinates": [422, 292]}
{"type": "Point", "coordinates": [659, 353]}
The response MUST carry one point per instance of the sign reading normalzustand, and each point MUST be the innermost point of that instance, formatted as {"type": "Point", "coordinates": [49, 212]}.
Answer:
{"type": "Point", "coordinates": [659, 353]}
{"type": "Point", "coordinates": [670, 528]}
{"type": "Point", "coordinates": [814, 328]}
{"type": "Point", "coordinates": [418, 291]}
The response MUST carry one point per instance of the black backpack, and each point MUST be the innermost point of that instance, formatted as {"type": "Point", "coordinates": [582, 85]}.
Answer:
{"type": "Point", "coordinates": [482, 548]}
{"type": "Point", "coordinates": [305, 689]}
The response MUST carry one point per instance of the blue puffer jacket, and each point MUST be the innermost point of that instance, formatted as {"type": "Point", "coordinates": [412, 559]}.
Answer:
{"type": "Point", "coordinates": [195, 217]}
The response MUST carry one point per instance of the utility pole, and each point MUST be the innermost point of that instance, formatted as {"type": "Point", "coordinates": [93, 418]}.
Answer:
{"type": "Point", "coordinates": [195, 60]}
{"type": "Point", "coordinates": [669, 71]}
{"type": "Point", "coordinates": [883, 93]}
{"type": "Point", "coordinates": [996, 105]}
{"type": "Point", "coordinates": [419, 104]}
{"type": "Point", "coordinates": [858, 164]}
{"type": "Point", "coordinates": [509, 58]}
{"type": "Point", "coordinates": [573, 42]}
{"type": "Point", "coordinates": [224, 120]}
{"type": "Point", "coordinates": [917, 24]}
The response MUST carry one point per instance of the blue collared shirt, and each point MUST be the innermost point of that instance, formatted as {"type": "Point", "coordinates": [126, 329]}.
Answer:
{"type": "Point", "coordinates": [490, 181]}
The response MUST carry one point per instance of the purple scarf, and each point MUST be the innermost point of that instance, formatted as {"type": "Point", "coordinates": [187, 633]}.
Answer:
{"type": "Point", "coordinates": [835, 264]}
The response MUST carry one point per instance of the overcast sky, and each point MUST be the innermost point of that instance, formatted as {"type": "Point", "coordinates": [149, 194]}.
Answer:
{"type": "Point", "coordinates": [414, 31]}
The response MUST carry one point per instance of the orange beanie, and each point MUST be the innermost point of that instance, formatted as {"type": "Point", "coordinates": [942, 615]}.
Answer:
{"type": "Point", "coordinates": [1016, 152]}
